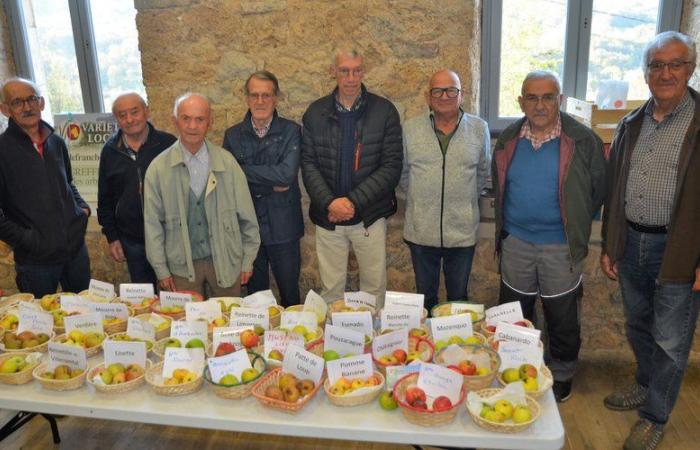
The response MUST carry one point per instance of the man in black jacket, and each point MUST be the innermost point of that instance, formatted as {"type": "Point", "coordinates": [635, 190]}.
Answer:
{"type": "Point", "coordinates": [351, 162]}
{"type": "Point", "coordinates": [123, 163]}
{"type": "Point", "coordinates": [42, 215]}
{"type": "Point", "coordinates": [268, 147]}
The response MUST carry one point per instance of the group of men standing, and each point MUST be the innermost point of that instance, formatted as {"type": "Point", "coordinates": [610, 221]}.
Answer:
{"type": "Point", "coordinates": [187, 214]}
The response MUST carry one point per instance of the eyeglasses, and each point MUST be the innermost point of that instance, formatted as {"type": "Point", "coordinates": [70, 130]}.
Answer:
{"type": "Point", "coordinates": [452, 92]}
{"type": "Point", "coordinates": [265, 96]}
{"type": "Point", "coordinates": [18, 103]}
{"type": "Point", "coordinates": [547, 99]}
{"type": "Point", "coordinates": [345, 72]}
{"type": "Point", "coordinates": [673, 66]}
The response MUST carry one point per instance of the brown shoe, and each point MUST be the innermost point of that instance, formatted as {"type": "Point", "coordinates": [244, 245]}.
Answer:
{"type": "Point", "coordinates": [645, 435]}
{"type": "Point", "coordinates": [630, 397]}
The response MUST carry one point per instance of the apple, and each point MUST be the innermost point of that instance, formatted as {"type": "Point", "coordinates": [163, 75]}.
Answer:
{"type": "Point", "coordinates": [224, 348]}
{"type": "Point", "coordinates": [330, 355]}
{"type": "Point", "coordinates": [219, 322]}
{"type": "Point", "coordinates": [273, 311]}
{"type": "Point", "coordinates": [417, 332]}
{"type": "Point", "coordinates": [189, 377]}
{"type": "Point", "coordinates": [531, 385]}
{"type": "Point", "coordinates": [485, 408]}
{"type": "Point", "coordinates": [387, 401]}
{"type": "Point", "coordinates": [12, 365]}
{"type": "Point", "coordinates": [494, 416]}
{"type": "Point", "coordinates": [274, 392]}
{"type": "Point", "coordinates": [527, 371]}
{"type": "Point", "coordinates": [228, 380]}
{"type": "Point", "coordinates": [195, 343]}
{"type": "Point", "coordinates": [305, 387]}
{"type": "Point", "coordinates": [455, 368]}
{"type": "Point", "coordinates": [504, 407]}
{"type": "Point", "coordinates": [357, 383]}
{"type": "Point", "coordinates": [116, 368]}
{"type": "Point", "coordinates": [259, 330]}
{"type": "Point", "coordinates": [473, 340]}
{"type": "Point", "coordinates": [510, 375]}
{"type": "Point", "coordinates": [455, 340]}
{"type": "Point", "coordinates": [133, 371]}
{"type": "Point", "coordinates": [173, 342]}
{"type": "Point", "coordinates": [389, 360]}
{"type": "Point", "coordinates": [119, 378]}
{"type": "Point", "coordinates": [413, 355]}
{"type": "Point", "coordinates": [414, 394]}
{"type": "Point", "coordinates": [467, 367]}
{"type": "Point", "coordinates": [442, 403]}
{"type": "Point", "coordinates": [76, 336]}
{"type": "Point", "coordinates": [439, 345]}
{"type": "Point", "coordinates": [300, 329]}
{"type": "Point", "coordinates": [341, 386]}
{"type": "Point", "coordinates": [491, 328]}
{"type": "Point", "coordinates": [481, 371]}
{"type": "Point", "coordinates": [400, 355]}
{"type": "Point", "coordinates": [249, 374]}
{"type": "Point", "coordinates": [287, 379]}
{"type": "Point", "coordinates": [105, 375]}
{"type": "Point", "coordinates": [249, 339]}
{"type": "Point", "coordinates": [291, 394]}
{"type": "Point", "coordinates": [521, 414]}
{"type": "Point", "coordinates": [374, 380]}
{"type": "Point", "coordinates": [276, 355]}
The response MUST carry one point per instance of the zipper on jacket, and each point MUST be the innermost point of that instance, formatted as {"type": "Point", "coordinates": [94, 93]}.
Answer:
{"type": "Point", "coordinates": [138, 172]}
{"type": "Point", "coordinates": [442, 198]}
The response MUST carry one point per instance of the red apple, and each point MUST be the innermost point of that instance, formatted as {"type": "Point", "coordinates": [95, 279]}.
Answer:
{"type": "Point", "coordinates": [442, 403]}
{"type": "Point", "coordinates": [420, 404]}
{"type": "Point", "coordinates": [467, 367]}
{"type": "Point", "coordinates": [521, 323]}
{"type": "Point", "coordinates": [456, 369]}
{"type": "Point", "coordinates": [415, 394]}
{"type": "Point", "coordinates": [133, 372]}
{"type": "Point", "coordinates": [400, 355]}
{"type": "Point", "coordinates": [249, 339]}
{"type": "Point", "coordinates": [224, 349]}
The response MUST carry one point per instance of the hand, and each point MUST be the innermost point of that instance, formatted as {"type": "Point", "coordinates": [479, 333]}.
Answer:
{"type": "Point", "coordinates": [280, 188]}
{"type": "Point", "coordinates": [86, 211]}
{"type": "Point", "coordinates": [245, 276]}
{"type": "Point", "coordinates": [167, 284]}
{"type": "Point", "coordinates": [696, 285]}
{"type": "Point", "coordinates": [610, 269]}
{"type": "Point", "coordinates": [115, 248]}
{"type": "Point", "coordinates": [341, 209]}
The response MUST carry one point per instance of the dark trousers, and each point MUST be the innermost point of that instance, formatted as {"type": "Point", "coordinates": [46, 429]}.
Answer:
{"type": "Point", "coordinates": [140, 271]}
{"type": "Point", "coordinates": [456, 266]}
{"type": "Point", "coordinates": [285, 261]}
{"type": "Point", "coordinates": [42, 279]}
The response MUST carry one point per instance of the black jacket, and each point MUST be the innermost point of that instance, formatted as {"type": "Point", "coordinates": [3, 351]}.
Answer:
{"type": "Point", "coordinates": [378, 163]}
{"type": "Point", "coordinates": [268, 162]}
{"type": "Point", "coordinates": [119, 191]}
{"type": "Point", "coordinates": [41, 214]}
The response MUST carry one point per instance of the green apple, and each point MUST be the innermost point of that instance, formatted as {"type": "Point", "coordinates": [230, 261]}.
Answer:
{"type": "Point", "coordinates": [330, 355]}
{"type": "Point", "coordinates": [195, 343]}
{"type": "Point", "coordinates": [522, 414]}
{"type": "Point", "coordinates": [510, 375]}
{"type": "Point", "coordinates": [485, 408]}
{"type": "Point", "coordinates": [173, 342]}
{"type": "Point", "coordinates": [387, 401]}
{"type": "Point", "coordinates": [249, 375]}
{"type": "Point", "coordinates": [228, 380]}
{"type": "Point", "coordinates": [504, 407]}
{"type": "Point", "coordinates": [116, 368]}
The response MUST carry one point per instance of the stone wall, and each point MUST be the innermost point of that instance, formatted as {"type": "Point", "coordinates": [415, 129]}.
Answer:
{"type": "Point", "coordinates": [690, 25]}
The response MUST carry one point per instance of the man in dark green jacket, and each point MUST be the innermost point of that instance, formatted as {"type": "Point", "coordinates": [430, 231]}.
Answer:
{"type": "Point", "coordinates": [549, 181]}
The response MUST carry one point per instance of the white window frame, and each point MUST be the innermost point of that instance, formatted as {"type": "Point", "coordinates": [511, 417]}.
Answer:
{"type": "Point", "coordinates": [576, 48]}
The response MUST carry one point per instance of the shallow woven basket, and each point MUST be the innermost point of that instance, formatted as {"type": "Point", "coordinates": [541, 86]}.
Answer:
{"type": "Point", "coordinates": [92, 351]}
{"type": "Point", "coordinates": [505, 427]}
{"type": "Point", "coordinates": [272, 379]}
{"type": "Point", "coordinates": [155, 307]}
{"type": "Point", "coordinates": [423, 417]}
{"type": "Point", "coordinates": [210, 326]}
{"type": "Point", "coordinates": [421, 344]}
{"type": "Point", "coordinates": [165, 332]}
{"type": "Point", "coordinates": [21, 377]}
{"type": "Point", "coordinates": [42, 348]}
{"type": "Point", "coordinates": [58, 385]}
{"type": "Point", "coordinates": [20, 297]}
{"type": "Point", "coordinates": [112, 336]}
{"type": "Point", "coordinates": [159, 347]}
{"type": "Point", "coordinates": [445, 309]}
{"type": "Point", "coordinates": [548, 382]}
{"type": "Point", "coordinates": [475, 382]}
{"type": "Point", "coordinates": [95, 298]}
{"type": "Point", "coordinates": [153, 374]}
{"type": "Point", "coordinates": [137, 308]}
{"type": "Point", "coordinates": [241, 390]}
{"type": "Point", "coordinates": [116, 388]}
{"type": "Point", "coordinates": [338, 305]}
{"type": "Point", "coordinates": [488, 333]}
{"type": "Point", "coordinates": [300, 308]}
{"type": "Point", "coordinates": [118, 327]}
{"type": "Point", "coordinates": [354, 400]}
{"type": "Point", "coordinates": [276, 320]}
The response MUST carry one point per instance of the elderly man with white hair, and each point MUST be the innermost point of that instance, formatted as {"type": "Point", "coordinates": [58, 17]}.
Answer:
{"type": "Point", "coordinates": [201, 230]}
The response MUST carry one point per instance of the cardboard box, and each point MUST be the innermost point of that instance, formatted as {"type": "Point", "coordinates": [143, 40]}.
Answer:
{"type": "Point", "coordinates": [602, 121]}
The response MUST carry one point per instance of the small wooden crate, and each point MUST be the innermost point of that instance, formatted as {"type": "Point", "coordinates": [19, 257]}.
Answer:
{"type": "Point", "coordinates": [602, 121]}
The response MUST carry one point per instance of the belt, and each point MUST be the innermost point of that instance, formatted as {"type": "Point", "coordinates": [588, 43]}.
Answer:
{"type": "Point", "coordinates": [663, 229]}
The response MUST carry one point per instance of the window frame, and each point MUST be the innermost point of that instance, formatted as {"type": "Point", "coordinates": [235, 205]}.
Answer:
{"type": "Point", "coordinates": [576, 52]}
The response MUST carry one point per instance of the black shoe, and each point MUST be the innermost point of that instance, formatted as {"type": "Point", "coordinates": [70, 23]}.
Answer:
{"type": "Point", "coordinates": [562, 390]}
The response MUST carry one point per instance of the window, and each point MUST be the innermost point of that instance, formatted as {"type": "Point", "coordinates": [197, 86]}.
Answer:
{"type": "Point", "coordinates": [81, 53]}
{"type": "Point", "coordinates": [583, 41]}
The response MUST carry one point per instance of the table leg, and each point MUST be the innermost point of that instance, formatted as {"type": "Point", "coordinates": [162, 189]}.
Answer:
{"type": "Point", "coordinates": [21, 418]}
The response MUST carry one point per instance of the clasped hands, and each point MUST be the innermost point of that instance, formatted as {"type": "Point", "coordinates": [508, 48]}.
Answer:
{"type": "Point", "coordinates": [340, 210]}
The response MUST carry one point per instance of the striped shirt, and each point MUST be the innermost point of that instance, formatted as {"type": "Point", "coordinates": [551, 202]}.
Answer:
{"type": "Point", "coordinates": [651, 183]}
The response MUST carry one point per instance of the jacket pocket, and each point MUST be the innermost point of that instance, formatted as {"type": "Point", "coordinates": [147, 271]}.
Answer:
{"type": "Point", "coordinates": [231, 238]}
{"type": "Point", "coordinates": [174, 244]}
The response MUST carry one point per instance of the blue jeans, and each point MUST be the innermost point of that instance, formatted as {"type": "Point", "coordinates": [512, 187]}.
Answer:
{"type": "Point", "coordinates": [140, 271]}
{"type": "Point", "coordinates": [456, 265]}
{"type": "Point", "coordinates": [660, 322]}
{"type": "Point", "coordinates": [42, 279]}
{"type": "Point", "coordinates": [285, 261]}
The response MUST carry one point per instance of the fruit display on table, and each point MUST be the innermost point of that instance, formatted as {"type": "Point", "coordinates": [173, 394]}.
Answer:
{"type": "Point", "coordinates": [181, 381]}
{"type": "Point", "coordinates": [10, 321]}
{"type": "Point", "coordinates": [299, 308]}
{"type": "Point", "coordinates": [489, 330]}
{"type": "Point", "coordinates": [124, 337]}
{"type": "Point", "coordinates": [116, 378]}
{"type": "Point", "coordinates": [536, 382]}
{"type": "Point", "coordinates": [230, 387]}
{"type": "Point", "coordinates": [283, 391]}
{"type": "Point", "coordinates": [90, 341]}
{"type": "Point", "coordinates": [500, 414]}
{"type": "Point", "coordinates": [62, 378]}
{"type": "Point", "coordinates": [352, 392]}
{"type": "Point", "coordinates": [16, 368]}
{"type": "Point", "coordinates": [474, 339]}
{"type": "Point", "coordinates": [26, 340]}
{"type": "Point", "coordinates": [419, 409]}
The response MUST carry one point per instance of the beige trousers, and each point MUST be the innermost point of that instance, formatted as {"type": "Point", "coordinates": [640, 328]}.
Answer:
{"type": "Point", "coordinates": [205, 277]}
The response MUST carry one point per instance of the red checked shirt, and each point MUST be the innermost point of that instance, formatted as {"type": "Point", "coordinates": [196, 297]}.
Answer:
{"type": "Point", "coordinates": [526, 132]}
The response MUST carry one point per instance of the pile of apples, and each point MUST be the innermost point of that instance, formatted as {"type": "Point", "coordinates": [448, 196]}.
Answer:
{"type": "Point", "coordinates": [14, 364]}
{"type": "Point", "coordinates": [399, 357]}
{"type": "Point", "coordinates": [247, 376]}
{"type": "Point", "coordinates": [126, 338]}
{"type": "Point", "coordinates": [192, 343]}
{"type": "Point", "coordinates": [344, 386]}
{"type": "Point", "coordinates": [62, 372]}
{"type": "Point", "coordinates": [180, 376]}
{"type": "Point", "coordinates": [306, 334]}
{"type": "Point", "coordinates": [503, 410]}
{"type": "Point", "coordinates": [59, 314]}
{"type": "Point", "coordinates": [77, 338]}
{"type": "Point", "coordinates": [148, 301]}
{"type": "Point", "coordinates": [117, 374]}
{"type": "Point", "coordinates": [458, 340]}
{"type": "Point", "coordinates": [527, 373]}
{"type": "Point", "coordinates": [9, 322]}
{"type": "Point", "coordinates": [23, 340]}
{"type": "Point", "coordinates": [51, 302]}
{"type": "Point", "coordinates": [171, 309]}
{"type": "Point", "coordinates": [290, 389]}
{"type": "Point", "coordinates": [469, 369]}
{"type": "Point", "coordinates": [417, 399]}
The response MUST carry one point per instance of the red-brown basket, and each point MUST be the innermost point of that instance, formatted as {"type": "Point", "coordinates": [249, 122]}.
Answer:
{"type": "Point", "coordinates": [423, 417]}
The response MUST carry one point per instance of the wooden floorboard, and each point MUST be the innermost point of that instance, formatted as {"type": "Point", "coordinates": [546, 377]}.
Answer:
{"type": "Point", "coordinates": [589, 425]}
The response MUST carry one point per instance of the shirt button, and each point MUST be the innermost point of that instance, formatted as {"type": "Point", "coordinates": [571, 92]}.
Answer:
{"type": "Point", "coordinates": [197, 203]}
{"type": "Point", "coordinates": [641, 196]}
{"type": "Point", "coordinates": [202, 241]}
{"type": "Point", "coordinates": [199, 223]}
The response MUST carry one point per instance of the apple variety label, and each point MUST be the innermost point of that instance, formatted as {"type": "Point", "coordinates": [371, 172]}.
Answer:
{"type": "Point", "coordinates": [157, 320]}
{"type": "Point", "coordinates": [75, 303]}
{"type": "Point", "coordinates": [208, 310]}
{"type": "Point", "coordinates": [124, 353]}
{"type": "Point", "coordinates": [395, 373]}
{"type": "Point", "coordinates": [354, 367]}
{"type": "Point", "coordinates": [461, 308]}
{"type": "Point", "coordinates": [84, 323]}
{"type": "Point", "coordinates": [303, 364]}
{"type": "Point", "coordinates": [29, 306]}
{"type": "Point", "coordinates": [249, 317]}
{"type": "Point", "coordinates": [436, 380]}
{"type": "Point", "coordinates": [281, 340]}
{"type": "Point", "coordinates": [343, 340]}
{"type": "Point", "coordinates": [443, 328]}
{"type": "Point", "coordinates": [315, 303]}
{"type": "Point", "coordinates": [385, 344]}
{"type": "Point", "coordinates": [233, 363]}
{"type": "Point", "coordinates": [73, 357]}
{"type": "Point", "coordinates": [134, 293]}
{"type": "Point", "coordinates": [191, 359]}
{"type": "Point", "coordinates": [360, 298]}
{"type": "Point", "coordinates": [260, 299]}
{"type": "Point", "coordinates": [140, 329]}
{"type": "Point", "coordinates": [110, 310]}
{"type": "Point", "coordinates": [186, 331]}
{"type": "Point", "coordinates": [507, 312]}
{"type": "Point", "coordinates": [101, 289]}
{"type": "Point", "coordinates": [516, 333]}
{"type": "Point", "coordinates": [404, 300]}
{"type": "Point", "coordinates": [395, 319]}
{"type": "Point", "coordinates": [232, 335]}
{"type": "Point", "coordinates": [174, 298]}
{"type": "Point", "coordinates": [360, 321]}
{"type": "Point", "coordinates": [290, 319]}
{"type": "Point", "coordinates": [514, 355]}
{"type": "Point", "coordinates": [34, 321]}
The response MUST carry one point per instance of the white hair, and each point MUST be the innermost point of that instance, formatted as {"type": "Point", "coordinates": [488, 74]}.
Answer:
{"type": "Point", "coordinates": [541, 75]}
{"type": "Point", "coordinates": [662, 40]}
{"type": "Point", "coordinates": [187, 95]}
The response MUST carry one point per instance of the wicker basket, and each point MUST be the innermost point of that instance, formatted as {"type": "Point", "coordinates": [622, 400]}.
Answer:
{"type": "Point", "coordinates": [353, 400]}
{"type": "Point", "coordinates": [338, 305]}
{"type": "Point", "coordinates": [58, 385]}
{"type": "Point", "coordinates": [159, 348]}
{"type": "Point", "coordinates": [241, 390]}
{"type": "Point", "coordinates": [155, 308]}
{"type": "Point", "coordinates": [300, 308]}
{"type": "Point", "coordinates": [415, 343]}
{"type": "Point", "coordinates": [488, 333]}
{"type": "Point", "coordinates": [42, 348]}
{"type": "Point", "coordinates": [423, 417]}
{"type": "Point", "coordinates": [505, 427]}
{"type": "Point", "coordinates": [165, 332]}
{"type": "Point", "coordinates": [112, 337]}
{"type": "Point", "coordinates": [475, 382]}
{"type": "Point", "coordinates": [547, 383]}
{"type": "Point", "coordinates": [21, 377]}
{"type": "Point", "coordinates": [210, 325]}
{"type": "Point", "coordinates": [153, 375]}
{"type": "Point", "coordinates": [272, 379]}
{"type": "Point", "coordinates": [95, 298]}
{"type": "Point", "coordinates": [116, 388]}
{"type": "Point", "coordinates": [137, 308]}
{"type": "Point", "coordinates": [120, 326]}
{"type": "Point", "coordinates": [445, 309]}
{"type": "Point", "coordinates": [20, 297]}
{"type": "Point", "coordinates": [89, 352]}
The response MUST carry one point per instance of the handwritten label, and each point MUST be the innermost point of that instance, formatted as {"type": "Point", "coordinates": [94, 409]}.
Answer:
{"type": "Point", "coordinates": [134, 293]}
{"type": "Point", "coordinates": [360, 366]}
{"type": "Point", "coordinates": [171, 299]}
{"type": "Point", "coordinates": [191, 359]}
{"type": "Point", "coordinates": [436, 380]}
{"type": "Point", "coordinates": [290, 319]}
{"type": "Point", "coordinates": [360, 321]}
{"type": "Point", "coordinates": [207, 311]}
{"type": "Point", "coordinates": [140, 329]}
{"type": "Point", "coordinates": [395, 319]}
{"type": "Point", "coordinates": [232, 364]}
{"type": "Point", "coordinates": [84, 322]}
{"type": "Point", "coordinates": [101, 289]}
{"type": "Point", "coordinates": [34, 321]}
{"type": "Point", "coordinates": [249, 317]}
{"type": "Point", "coordinates": [463, 308]}
{"type": "Point", "coordinates": [523, 335]}
{"type": "Point", "coordinates": [507, 312]}
{"type": "Point", "coordinates": [404, 300]}
{"type": "Point", "coordinates": [110, 311]}
{"type": "Point", "coordinates": [303, 364]}
{"type": "Point", "coordinates": [395, 373]}
{"type": "Point", "coordinates": [315, 303]}
{"type": "Point", "coordinates": [124, 353]}
{"type": "Point", "coordinates": [360, 298]}
{"type": "Point", "coordinates": [185, 331]}
{"type": "Point", "coordinates": [60, 354]}
{"type": "Point", "coordinates": [445, 327]}
{"type": "Point", "coordinates": [281, 340]}
{"type": "Point", "coordinates": [75, 303]}
{"type": "Point", "coordinates": [385, 344]}
{"type": "Point", "coordinates": [232, 335]}
{"type": "Point", "coordinates": [514, 354]}
{"type": "Point", "coordinates": [343, 340]}
{"type": "Point", "coordinates": [260, 299]}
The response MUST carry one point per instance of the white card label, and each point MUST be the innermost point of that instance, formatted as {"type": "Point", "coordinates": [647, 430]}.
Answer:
{"type": "Point", "coordinates": [462, 308]}
{"type": "Point", "coordinates": [34, 321]}
{"type": "Point", "coordinates": [101, 289]}
{"type": "Point", "coordinates": [84, 322]}
{"type": "Point", "coordinates": [233, 363]}
{"type": "Point", "coordinates": [140, 329]}
{"type": "Point", "coordinates": [360, 298]}
{"type": "Point", "coordinates": [191, 359]}
{"type": "Point", "coordinates": [513, 355]}
{"type": "Point", "coordinates": [185, 331]}
{"type": "Point", "coordinates": [360, 321]}
{"type": "Point", "coordinates": [249, 317]}
{"type": "Point", "coordinates": [281, 340]}
{"type": "Point", "coordinates": [174, 298]}
{"type": "Point", "coordinates": [395, 319]}
{"type": "Point", "coordinates": [232, 335]}
{"type": "Point", "coordinates": [523, 335]}
{"type": "Point", "coordinates": [73, 357]}
{"type": "Point", "coordinates": [507, 312]}
{"type": "Point", "coordinates": [315, 303]}
{"type": "Point", "coordinates": [125, 353]}
{"type": "Point", "coordinates": [360, 366]}
{"type": "Point", "coordinates": [436, 380]}
{"type": "Point", "coordinates": [110, 310]}
{"type": "Point", "coordinates": [303, 364]}
{"type": "Point", "coordinates": [75, 303]}
{"type": "Point", "coordinates": [445, 327]}
{"type": "Point", "coordinates": [260, 299]}
{"type": "Point", "coordinates": [395, 373]}
{"type": "Point", "coordinates": [134, 293]}
{"type": "Point", "coordinates": [385, 344]}
{"type": "Point", "coordinates": [290, 319]}
{"type": "Point", "coordinates": [404, 300]}
{"type": "Point", "coordinates": [343, 340]}
{"type": "Point", "coordinates": [207, 311]}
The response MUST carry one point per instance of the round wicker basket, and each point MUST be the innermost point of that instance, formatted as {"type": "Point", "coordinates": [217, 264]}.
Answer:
{"type": "Point", "coordinates": [504, 427]}
{"type": "Point", "coordinates": [241, 390]}
{"type": "Point", "coordinates": [272, 379]}
{"type": "Point", "coordinates": [116, 388]}
{"type": "Point", "coordinates": [42, 348]}
{"type": "Point", "coordinates": [423, 417]}
{"type": "Point", "coordinates": [58, 385]}
{"type": "Point", "coordinates": [154, 378]}
{"type": "Point", "coordinates": [367, 395]}
{"type": "Point", "coordinates": [21, 377]}
{"type": "Point", "coordinates": [475, 382]}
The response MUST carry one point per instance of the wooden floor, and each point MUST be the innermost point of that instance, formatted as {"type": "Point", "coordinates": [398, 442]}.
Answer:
{"type": "Point", "coordinates": [589, 426]}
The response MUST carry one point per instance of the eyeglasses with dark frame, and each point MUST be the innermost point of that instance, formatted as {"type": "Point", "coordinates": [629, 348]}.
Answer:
{"type": "Point", "coordinates": [547, 99]}
{"type": "Point", "coordinates": [18, 103]}
{"type": "Point", "coordinates": [673, 66]}
{"type": "Point", "coordinates": [452, 92]}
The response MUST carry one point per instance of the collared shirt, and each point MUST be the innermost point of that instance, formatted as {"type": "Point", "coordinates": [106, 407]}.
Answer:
{"type": "Point", "coordinates": [127, 148]}
{"type": "Point", "coordinates": [651, 183]}
{"type": "Point", "coordinates": [526, 133]}
{"type": "Point", "coordinates": [261, 132]}
{"type": "Point", "coordinates": [198, 166]}
{"type": "Point", "coordinates": [445, 138]}
{"type": "Point", "coordinates": [355, 105]}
